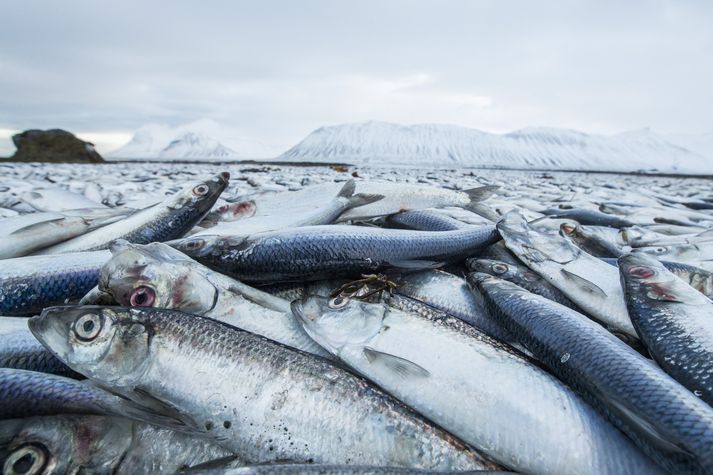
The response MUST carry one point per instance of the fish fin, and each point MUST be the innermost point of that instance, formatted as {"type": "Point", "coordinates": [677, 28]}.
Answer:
{"type": "Point", "coordinates": [402, 367]}
{"type": "Point", "coordinates": [144, 406]}
{"type": "Point", "coordinates": [347, 190]}
{"type": "Point", "coordinates": [35, 226]}
{"type": "Point", "coordinates": [588, 285]}
{"type": "Point", "coordinates": [707, 233]}
{"type": "Point", "coordinates": [481, 193]}
{"type": "Point", "coordinates": [660, 441]}
{"type": "Point", "coordinates": [361, 199]}
{"type": "Point", "coordinates": [416, 264]}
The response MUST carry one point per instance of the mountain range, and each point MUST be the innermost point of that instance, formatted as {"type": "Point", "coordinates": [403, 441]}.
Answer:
{"type": "Point", "coordinates": [438, 145]}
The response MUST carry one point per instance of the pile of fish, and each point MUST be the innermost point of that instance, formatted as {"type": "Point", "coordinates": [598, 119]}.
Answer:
{"type": "Point", "coordinates": [329, 323]}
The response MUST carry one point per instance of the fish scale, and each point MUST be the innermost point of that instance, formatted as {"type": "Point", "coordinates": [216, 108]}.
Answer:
{"type": "Point", "coordinates": [315, 252]}
{"type": "Point", "coordinates": [666, 420]}
{"type": "Point", "coordinates": [258, 398]}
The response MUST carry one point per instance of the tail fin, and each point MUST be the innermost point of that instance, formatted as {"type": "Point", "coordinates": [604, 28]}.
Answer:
{"type": "Point", "coordinates": [347, 190]}
{"type": "Point", "coordinates": [481, 193]}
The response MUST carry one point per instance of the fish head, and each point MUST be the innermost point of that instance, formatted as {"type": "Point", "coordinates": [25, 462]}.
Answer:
{"type": "Point", "coordinates": [336, 322]}
{"type": "Point", "coordinates": [493, 267]}
{"type": "Point", "coordinates": [201, 246]}
{"type": "Point", "coordinates": [200, 195]}
{"type": "Point", "coordinates": [107, 344]}
{"type": "Point", "coordinates": [157, 275]}
{"type": "Point", "coordinates": [63, 444]}
{"type": "Point", "coordinates": [643, 275]}
{"type": "Point", "coordinates": [532, 246]}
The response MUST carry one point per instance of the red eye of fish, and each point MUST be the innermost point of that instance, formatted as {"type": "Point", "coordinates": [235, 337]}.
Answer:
{"type": "Point", "coordinates": [142, 296]}
{"type": "Point", "coordinates": [223, 208]}
{"type": "Point", "coordinates": [641, 272]}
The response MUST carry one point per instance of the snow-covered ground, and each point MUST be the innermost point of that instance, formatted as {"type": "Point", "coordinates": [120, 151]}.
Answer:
{"type": "Point", "coordinates": [437, 145]}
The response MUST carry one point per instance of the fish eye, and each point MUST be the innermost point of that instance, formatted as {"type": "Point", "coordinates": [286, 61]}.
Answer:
{"type": "Point", "coordinates": [193, 245]}
{"type": "Point", "coordinates": [567, 228]}
{"type": "Point", "coordinates": [338, 302]}
{"type": "Point", "coordinates": [142, 296]}
{"type": "Point", "coordinates": [660, 250]}
{"type": "Point", "coordinates": [88, 326]}
{"type": "Point", "coordinates": [223, 209]}
{"type": "Point", "coordinates": [26, 460]}
{"type": "Point", "coordinates": [500, 268]}
{"type": "Point", "coordinates": [200, 190]}
{"type": "Point", "coordinates": [641, 272]}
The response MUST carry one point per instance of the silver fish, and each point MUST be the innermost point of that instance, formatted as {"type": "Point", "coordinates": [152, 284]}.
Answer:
{"type": "Point", "coordinates": [255, 397]}
{"type": "Point", "coordinates": [100, 445]}
{"type": "Point", "coordinates": [472, 386]}
{"type": "Point", "coordinates": [589, 282]}
{"type": "Point", "coordinates": [170, 219]}
{"type": "Point", "coordinates": [156, 275]}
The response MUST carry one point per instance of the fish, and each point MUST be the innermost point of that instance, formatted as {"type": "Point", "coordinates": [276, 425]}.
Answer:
{"type": "Point", "coordinates": [669, 423]}
{"type": "Point", "coordinates": [699, 279]}
{"type": "Point", "coordinates": [29, 284]}
{"type": "Point", "coordinates": [23, 234]}
{"type": "Point", "coordinates": [424, 220]}
{"type": "Point", "coordinates": [325, 214]}
{"type": "Point", "coordinates": [472, 386]}
{"type": "Point", "coordinates": [520, 275]}
{"type": "Point", "coordinates": [450, 294]}
{"type": "Point", "coordinates": [156, 275]}
{"type": "Point", "coordinates": [171, 219]}
{"type": "Point", "coordinates": [26, 393]}
{"type": "Point", "coordinates": [57, 199]}
{"type": "Point", "coordinates": [64, 444]}
{"type": "Point", "coordinates": [674, 320]}
{"type": "Point", "coordinates": [254, 397]}
{"type": "Point", "coordinates": [397, 197]}
{"type": "Point", "coordinates": [319, 252]}
{"type": "Point", "coordinates": [587, 281]}
{"type": "Point", "coordinates": [598, 241]}
{"type": "Point", "coordinates": [321, 469]}
{"type": "Point", "coordinates": [19, 349]}
{"type": "Point", "coordinates": [590, 217]}
{"type": "Point", "coordinates": [699, 254]}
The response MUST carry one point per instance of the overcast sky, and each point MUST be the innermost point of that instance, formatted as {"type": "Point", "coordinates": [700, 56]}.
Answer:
{"type": "Point", "coordinates": [276, 70]}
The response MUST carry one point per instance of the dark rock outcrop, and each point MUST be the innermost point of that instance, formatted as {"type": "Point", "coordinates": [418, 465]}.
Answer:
{"type": "Point", "coordinates": [54, 145]}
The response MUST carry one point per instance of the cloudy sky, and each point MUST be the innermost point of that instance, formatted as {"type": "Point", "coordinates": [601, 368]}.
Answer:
{"type": "Point", "coordinates": [275, 70]}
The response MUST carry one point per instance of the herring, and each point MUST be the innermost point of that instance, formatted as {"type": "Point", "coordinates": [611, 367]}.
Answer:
{"type": "Point", "coordinates": [171, 219]}
{"type": "Point", "coordinates": [252, 396]}
{"type": "Point", "coordinates": [472, 386]}
{"type": "Point", "coordinates": [662, 417]}
{"type": "Point", "coordinates": [316, 252]}
{"type": "Point", "coordinates": [590, 283]}
{"type": "Point", "coordinates": [674, 320]}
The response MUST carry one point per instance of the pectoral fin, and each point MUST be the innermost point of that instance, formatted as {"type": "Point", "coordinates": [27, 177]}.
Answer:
{"type": "Point", "coordinates": [403, 368]}
{"type": "Point", "coordinates": [586, 284]}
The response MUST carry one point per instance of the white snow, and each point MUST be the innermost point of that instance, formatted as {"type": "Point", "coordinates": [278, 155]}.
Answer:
{"type": "Point", "coordinates": [436, 145]}
{"type": "Point", "coordinates": [202, 139]}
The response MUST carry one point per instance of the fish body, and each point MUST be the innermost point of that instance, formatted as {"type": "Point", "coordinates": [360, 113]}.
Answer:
{"type": "Point", "coordinates": [19, 349]}
{"type": "Point", "coordinates": [599, 241]}
{"type": "Point", "coordinates": [520, 275]}
{"type": "Point", "coordinates": [28, 233]}
{"type": "Point", "coordinates": [663, 418]}
{"type": "Point", "coordinates": [472, 386]}
{"type": "Point", "coordinates": [425, 220]}
{"type": "Point", "coordinates": [170, 219]}
{"type": "Point", "coordinates": [29, 284]}
{"type": "Point", "coordinates": [590, 283]}
{"type": "Point", "coordinates": [317, 252]}
{"type": "Point", "coordinates": [674, 320]}
{"type": "Point", "coordinates": [451, 295]}
{"type": "Point", "coordinates": [591, 217]}
{"type": "Point", "coordinates": [63, 444]}
{"type": "Point", "coordinates": [254, 397]}
{"type": "Point", "coordinates": [156, 275]}
{"type": "Point", "coordinates": [327, 213]}
{"type": "Point", "coordinates": [57, 199]}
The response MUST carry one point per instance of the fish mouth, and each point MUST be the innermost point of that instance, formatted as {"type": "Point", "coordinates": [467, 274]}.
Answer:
{"type": "Point", "coordinates": [297, 308]}
{"type": "Point", "coordinates": [52, 329]}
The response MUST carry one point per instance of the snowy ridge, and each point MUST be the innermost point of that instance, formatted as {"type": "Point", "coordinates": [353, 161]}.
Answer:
{"type": "Point", "coordinates": [203, 139]}
{"type": "Point", "coordinates": [435, 145]}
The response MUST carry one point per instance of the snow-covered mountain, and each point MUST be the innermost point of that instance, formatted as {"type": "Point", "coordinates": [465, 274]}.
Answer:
{"type": "Point", "coordinates": [377, 143]}
{"type": "Point", "coordinates": [203, 139]}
